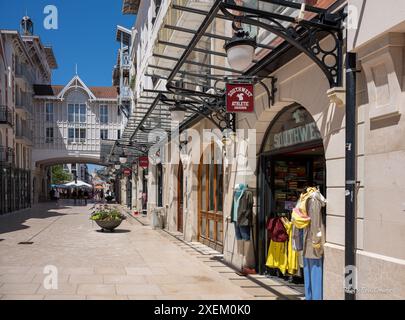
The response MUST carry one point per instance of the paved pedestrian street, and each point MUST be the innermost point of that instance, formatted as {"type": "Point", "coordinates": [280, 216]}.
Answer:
{"type": "Point", "coordinates": [134, 262]}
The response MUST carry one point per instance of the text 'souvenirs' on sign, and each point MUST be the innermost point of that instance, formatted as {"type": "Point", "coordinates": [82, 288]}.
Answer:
{"type": "Point", "coordinates": [240, 97]}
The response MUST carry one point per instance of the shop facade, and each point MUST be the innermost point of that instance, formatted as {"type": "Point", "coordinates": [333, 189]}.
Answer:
{"type": "Point", "coordinates": [299, 140]}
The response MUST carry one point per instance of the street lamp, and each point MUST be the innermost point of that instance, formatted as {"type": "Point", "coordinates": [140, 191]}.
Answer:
{"type": "Point", "coordinates": [177, 113]}
{"type": "Point", "coordinates": [240, 50]}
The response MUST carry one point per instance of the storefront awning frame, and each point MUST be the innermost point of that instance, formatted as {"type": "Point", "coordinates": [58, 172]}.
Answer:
{"type": "Point", "coordinates": [303, 35]}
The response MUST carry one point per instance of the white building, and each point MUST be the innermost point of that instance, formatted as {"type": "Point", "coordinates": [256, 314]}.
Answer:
{"type": "Point", "coordinates": [197, 198]}
{"type": "Point", "coordinates": [24, 61]}
{"type": "Point", "coordinates": [71, 122]}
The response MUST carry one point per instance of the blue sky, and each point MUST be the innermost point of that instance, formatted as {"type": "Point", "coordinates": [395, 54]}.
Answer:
{"type": "Point", "coordinates": [85, 35]}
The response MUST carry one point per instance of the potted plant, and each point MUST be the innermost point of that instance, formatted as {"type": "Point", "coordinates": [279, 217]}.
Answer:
{"type": "Point", "coordinates": [107, 218]}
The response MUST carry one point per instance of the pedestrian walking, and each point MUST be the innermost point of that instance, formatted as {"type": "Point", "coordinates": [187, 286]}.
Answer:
{"type": "Point", "coordinates": [74, 196]}
{"type": "Point", "coordinates": [52, 194]}
{"type": "Point", "coordinates": [57, 196]}
{"type": "Point", "coordinates": [85, 196]}
{"type": "Point", "coordinates": [80, 196]}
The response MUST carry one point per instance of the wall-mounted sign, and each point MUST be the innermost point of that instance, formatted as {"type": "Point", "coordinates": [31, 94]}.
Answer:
{"type": "Point", "coordinates": [144, 162]}
{"type": "Point", "coordinates": [305, 133]}
{"type": "Point", "coordinates": [240, 97]}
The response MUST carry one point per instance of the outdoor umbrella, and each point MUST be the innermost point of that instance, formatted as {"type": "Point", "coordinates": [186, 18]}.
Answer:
{"type": "Point", "coordinates": [79, 184]}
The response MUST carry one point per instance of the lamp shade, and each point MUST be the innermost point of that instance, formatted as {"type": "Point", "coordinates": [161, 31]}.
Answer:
{"type": "Point", "coordinates": [240, 52]}
{"type": "Point", "coordinates": [123, 159]}
{"type": "Point", "coordinates": [177, 113]}
{"type": "Point", "coordinates": [117, 167]}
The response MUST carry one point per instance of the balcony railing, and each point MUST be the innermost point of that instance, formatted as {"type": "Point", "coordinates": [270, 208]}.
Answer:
{"type": "Point", "coordinates": [24, 132]}
{"type": "Point", "coordinates": [24, 101]}
{"type": "Point", "coordinates": [6, 115]}
{"type": "Point", "coordinates": [6, 155]}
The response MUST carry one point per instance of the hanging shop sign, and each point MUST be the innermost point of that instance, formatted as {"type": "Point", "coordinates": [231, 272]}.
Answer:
{"type": "Point", "coordinates": [305, 133]}
{"type": "Point", "coordinates": [144, 162]}
{"type": "Point", "coordinates": [127, 171]}
{"type": "Point", "coordinates": [239, 97]}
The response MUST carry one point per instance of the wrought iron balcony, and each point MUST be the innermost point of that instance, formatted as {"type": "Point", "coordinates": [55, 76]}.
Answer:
{"type": "Point", "coordinates": [6, 155]}
{"type": "Point", "coordinates": [6, 115]}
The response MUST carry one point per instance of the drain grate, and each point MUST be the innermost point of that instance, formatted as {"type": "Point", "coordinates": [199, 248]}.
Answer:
{"type": "Point", "coordinates": [26, 242]}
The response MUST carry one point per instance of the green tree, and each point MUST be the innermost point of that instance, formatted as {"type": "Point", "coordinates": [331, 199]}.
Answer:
{"type": "Point", "coordinates": [59, 175]}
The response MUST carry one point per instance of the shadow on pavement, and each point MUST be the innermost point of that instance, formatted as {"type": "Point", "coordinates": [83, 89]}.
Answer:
{"type": "Point", "coordinates": [15, 221]}
{"type": "Point", "coordinates": [115, 231]}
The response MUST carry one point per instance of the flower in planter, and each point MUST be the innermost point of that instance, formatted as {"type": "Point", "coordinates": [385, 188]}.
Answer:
{"type": "Point", "coordinates": [107, 214]}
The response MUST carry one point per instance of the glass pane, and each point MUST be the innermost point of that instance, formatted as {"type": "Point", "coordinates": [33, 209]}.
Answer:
{"type": "Point", "coordinates": [219, 191]}
{"type": "Point", "coordinates": [203, 226]}
{"type": "Point", "coordinates": [203, 184]}
{"type": "Point", "coordinates": [211, 187]}
{"type": "Point", "coordinates": [82, 113]}
{"type": "Point", "coordinates": [219, 231]}
{"type": "Point", "coordinates": [82, 135]}
{"type": "Point", "coordinates": [77, 113]}
{"type": "Point", "coordinates": [211, 229]}
{"type": "Point", "coordinates": [71, 113]}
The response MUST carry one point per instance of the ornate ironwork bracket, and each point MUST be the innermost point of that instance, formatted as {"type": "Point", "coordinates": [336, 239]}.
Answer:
{"type": "Point", "coordinates": [211, 106]}
{"type": "Point", "coordinates": [304, 35]}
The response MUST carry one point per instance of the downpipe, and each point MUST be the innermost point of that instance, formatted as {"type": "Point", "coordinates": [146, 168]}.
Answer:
{"type": "Point", "coordinates": [350, 177]}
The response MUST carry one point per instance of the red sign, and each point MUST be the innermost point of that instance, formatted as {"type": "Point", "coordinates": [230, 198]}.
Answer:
{"type": "Point", "coordinates": [239, 97]}
{"type": "Point", "coordinates": [127, 171]}
{"type": "Point", "coordinates": [144, 161]}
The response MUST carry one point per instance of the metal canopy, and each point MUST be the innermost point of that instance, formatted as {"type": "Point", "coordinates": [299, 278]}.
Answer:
{"type": "Point", "coordinates": [190, 60]}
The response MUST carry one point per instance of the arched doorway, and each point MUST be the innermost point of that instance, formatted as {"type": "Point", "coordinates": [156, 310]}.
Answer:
{"type": "Point", "coordinates": [210, 203]}
{"type": "Point", "coordinates": [180, 198]}
{"type": "Point", "coordinates": [292, 157]}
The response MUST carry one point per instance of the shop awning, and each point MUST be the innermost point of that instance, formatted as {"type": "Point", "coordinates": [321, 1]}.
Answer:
{"type": "Point", "coordinates": [189, 63]}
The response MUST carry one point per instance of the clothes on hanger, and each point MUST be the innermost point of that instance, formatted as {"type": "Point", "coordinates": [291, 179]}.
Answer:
{"type": "Point", "coordinates": [313, 239]}
{"type": "Point", "coordinates": [302, 202]}
{"type": "Point", "coordinates": [277, 256]}
{"type": "Point", "coordinates": [281, 254]}
{"type": "Point", "coordinates": [292, 255]}
{"type": "Point", "coordinates": [276, 230]}
{"type": "Point", "coordinates": [314, 234]}
{"type": "Point", "coordinates": [242, 212]}
{"type": "Point", "coordinates": [237, 195]}
{"type": "Point", "coordinates": [313, 279]}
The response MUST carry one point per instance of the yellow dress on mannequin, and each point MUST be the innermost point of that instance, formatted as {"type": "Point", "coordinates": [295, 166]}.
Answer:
{"type": "Point", "coordinates": [292, 255]}
{"type": "Point", "coordinates": [281, 254]}
{"type": "Point", "coordinates": [277, 255]}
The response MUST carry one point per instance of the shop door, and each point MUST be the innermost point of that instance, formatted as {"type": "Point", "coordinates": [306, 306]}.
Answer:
{"type": "Point", "coordinates": [210, 205]}
{"type": "Point", "coordinates": [180, 200]}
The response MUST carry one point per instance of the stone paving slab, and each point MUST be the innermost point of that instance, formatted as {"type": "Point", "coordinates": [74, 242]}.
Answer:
{"type": "Point", "coordinates": [135, 262]}
{"type": "Point", "coordinates": [22, 297]}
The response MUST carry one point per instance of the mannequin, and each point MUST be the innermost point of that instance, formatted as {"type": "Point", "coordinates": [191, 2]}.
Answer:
{"type": "Point", "coordinates": [313, 243]}
{"type": "Point", "coordinates": [241, 211]}
{"type": "Point", "coordinates": [242, 214]}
